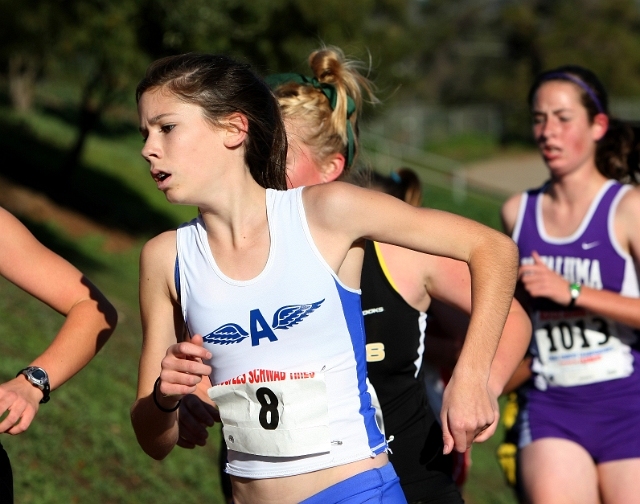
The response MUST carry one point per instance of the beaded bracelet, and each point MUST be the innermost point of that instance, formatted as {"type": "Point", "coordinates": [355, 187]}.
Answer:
{"type": "Point", "coordinates": [155, 399]}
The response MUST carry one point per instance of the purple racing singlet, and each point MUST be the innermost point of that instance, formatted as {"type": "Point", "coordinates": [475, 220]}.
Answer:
{"type": "Point", "coordinates": [581, 360]}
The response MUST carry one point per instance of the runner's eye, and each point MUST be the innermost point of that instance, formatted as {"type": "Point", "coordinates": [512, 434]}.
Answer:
{"type": "Point", "coordinates": [167, 128]}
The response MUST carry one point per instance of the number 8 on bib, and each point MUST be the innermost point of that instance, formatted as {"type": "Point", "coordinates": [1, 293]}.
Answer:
{"type": "Point", "coordinates": [287, 418]}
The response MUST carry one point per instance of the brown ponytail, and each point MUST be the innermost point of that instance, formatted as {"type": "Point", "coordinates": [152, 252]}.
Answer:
{"type": "Point", "coordinates": [614, 152]}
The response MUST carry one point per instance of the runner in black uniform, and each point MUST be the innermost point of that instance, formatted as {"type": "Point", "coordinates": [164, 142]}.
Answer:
{"type": "Point", "coordinates": [398, 287]}
{"type": "Point", "coordinates": [395, 343]}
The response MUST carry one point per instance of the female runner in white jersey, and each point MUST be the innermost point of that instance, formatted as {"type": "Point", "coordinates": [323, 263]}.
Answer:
{"type": "Point", "coordinates": [579, 244]}
{"type": "Point", "coordinates": [214, 139]}
{"type": "Point", "coordinates": [319, 153]}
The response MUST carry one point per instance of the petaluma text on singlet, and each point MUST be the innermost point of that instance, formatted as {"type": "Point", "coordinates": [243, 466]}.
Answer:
{"type": "Point", "coordinates": [574, 269]}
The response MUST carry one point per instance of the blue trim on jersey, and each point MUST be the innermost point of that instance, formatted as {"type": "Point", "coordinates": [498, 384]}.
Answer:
{"type": "Point", "coordinates": [352, 309]}
{"type": "Point", "coordinates": [176, 277]}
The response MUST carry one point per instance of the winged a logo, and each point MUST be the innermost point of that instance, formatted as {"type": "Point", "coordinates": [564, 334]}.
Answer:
{"type": "Point", "coordinates": [226, 334]}
{"type": "Point", "coordinates": [290, 315]}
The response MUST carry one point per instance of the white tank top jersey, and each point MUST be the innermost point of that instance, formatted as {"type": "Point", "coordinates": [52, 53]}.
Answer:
{"type": "Point", "coordinates": [288, 347]}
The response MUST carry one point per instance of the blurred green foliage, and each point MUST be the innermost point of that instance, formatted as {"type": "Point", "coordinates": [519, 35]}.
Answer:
{"type": "Point", "coordinates": [489, 52]}
{"type": "Point", "coordinates": [432, 51]}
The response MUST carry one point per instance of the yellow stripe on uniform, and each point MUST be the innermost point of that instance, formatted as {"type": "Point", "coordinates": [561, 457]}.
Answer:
{"type": "Point", "coordinates": [383, 265]}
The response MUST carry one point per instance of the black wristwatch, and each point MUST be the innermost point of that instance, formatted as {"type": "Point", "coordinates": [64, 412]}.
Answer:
{"type": "Point", "coordinates": [38, 378]}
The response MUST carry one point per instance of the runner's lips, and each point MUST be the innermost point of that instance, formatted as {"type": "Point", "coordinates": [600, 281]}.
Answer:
{"type": "Point", "coordinates": [159, 176]}
{"type": "Point", "coordinates": [550, 152]}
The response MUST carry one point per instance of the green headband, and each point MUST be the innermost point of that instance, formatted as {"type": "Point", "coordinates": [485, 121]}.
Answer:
{"type": "Point", "coordinates": [329, 90]}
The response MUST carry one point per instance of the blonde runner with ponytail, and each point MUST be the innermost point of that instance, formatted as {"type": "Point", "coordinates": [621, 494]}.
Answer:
{"type": "Point", "coordinates": [321, 127]}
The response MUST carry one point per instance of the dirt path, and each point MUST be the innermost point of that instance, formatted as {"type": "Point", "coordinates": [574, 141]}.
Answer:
{"type": "Point", "coordinates": [37, 207]}
{"type": "Point", "coordinates": [508, 175]}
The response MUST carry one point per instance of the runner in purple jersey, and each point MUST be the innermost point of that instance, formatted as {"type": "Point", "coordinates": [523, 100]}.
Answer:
{"type": "Point", "coordinates": [579, 248]}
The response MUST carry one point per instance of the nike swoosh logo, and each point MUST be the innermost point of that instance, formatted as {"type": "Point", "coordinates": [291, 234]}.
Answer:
{"type": "Point", "coordinates": [587, 246]}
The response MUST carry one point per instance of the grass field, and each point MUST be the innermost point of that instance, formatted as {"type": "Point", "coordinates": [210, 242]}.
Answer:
{"type": "Point", "coordinates": [81, 447]}
{"type": "Point", "coordinates": [467, 147]}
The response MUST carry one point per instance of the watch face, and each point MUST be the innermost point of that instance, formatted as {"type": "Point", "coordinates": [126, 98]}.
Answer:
{"type": "Point", "coordinates": [38, 374]}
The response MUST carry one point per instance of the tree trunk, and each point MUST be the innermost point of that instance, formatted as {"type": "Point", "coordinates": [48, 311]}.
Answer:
{"type": "Point", "coordinates": [94, 102]}
{"type": "Point", "coordinates": [23, 70]}
{"type": "Point", "coordinates": [89, 118]}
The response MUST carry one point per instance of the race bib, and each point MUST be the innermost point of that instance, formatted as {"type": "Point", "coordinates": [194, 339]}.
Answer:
{"type": "Point", "coordinates": [284, 418]}
{"type": "Point", "coordinates": [579, 350]}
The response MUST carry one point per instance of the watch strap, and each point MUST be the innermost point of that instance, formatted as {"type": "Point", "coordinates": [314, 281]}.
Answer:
{"type": "Point", "coordinates": [45, 393]}
{"type": "Point", "coordinates": [574, 290]}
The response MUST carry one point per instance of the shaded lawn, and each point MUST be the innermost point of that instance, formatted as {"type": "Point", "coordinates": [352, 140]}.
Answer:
{"type": "Point", "coordinates": [81, 447]}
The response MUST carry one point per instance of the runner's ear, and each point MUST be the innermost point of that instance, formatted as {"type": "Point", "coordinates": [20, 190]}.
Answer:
{"type": "Point", "coordinates": [600, 126]}
{"type": "Point", "coordinates": [236, 127]}
{"type": "Point", "coordinates": [333, 167]}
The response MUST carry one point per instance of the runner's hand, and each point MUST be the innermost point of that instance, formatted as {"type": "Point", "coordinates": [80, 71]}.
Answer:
{"type": "Point", "coordinates": [183, 369]}
{"type": "Point", "coordinates": [22, 400]}
{"type": "Point", "coordinates": [467, 412]}
{"type": "Point", "coordinates": [540, 281]}
{"type": "Point", "coordinates": [491, 430]}
{"type": "Point", "coordinates": [194, 416]}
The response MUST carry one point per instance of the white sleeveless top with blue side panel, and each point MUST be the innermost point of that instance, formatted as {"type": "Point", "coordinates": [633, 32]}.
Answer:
{"type": "Point", "coordinates": [288, 346]}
